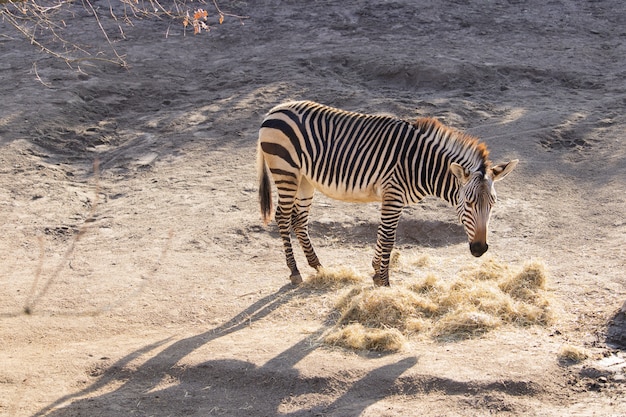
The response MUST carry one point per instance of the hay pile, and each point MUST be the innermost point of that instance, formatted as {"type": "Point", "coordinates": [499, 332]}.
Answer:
{"type": "Point", "coordinates": [328, 278]}
{"type": "Point", "coordinates": [478, 300]}
{"type": "Point", "coordinates": [572, 354]}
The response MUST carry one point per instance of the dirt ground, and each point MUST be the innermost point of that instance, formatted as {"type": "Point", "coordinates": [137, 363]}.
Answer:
{"type": "Point", "coordinates": [152, 287]}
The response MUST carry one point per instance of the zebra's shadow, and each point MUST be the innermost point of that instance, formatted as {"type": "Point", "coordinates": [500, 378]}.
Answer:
{"type": "Point", "coordinates": [412, 232]}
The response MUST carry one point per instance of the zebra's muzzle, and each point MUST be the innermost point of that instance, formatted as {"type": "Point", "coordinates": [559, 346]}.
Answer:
{"type": "Point", "coordinates": [478, 248]}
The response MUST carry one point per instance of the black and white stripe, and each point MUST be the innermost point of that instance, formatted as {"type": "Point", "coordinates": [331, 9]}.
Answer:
{"type": "Point", "coordinates": [357, 157]}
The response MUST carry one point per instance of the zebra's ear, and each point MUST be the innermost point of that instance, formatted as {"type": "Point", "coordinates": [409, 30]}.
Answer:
{"type": "Point", "coordinates": [459, 172]}
{"type": "Point", "coordinates": [502, 170]}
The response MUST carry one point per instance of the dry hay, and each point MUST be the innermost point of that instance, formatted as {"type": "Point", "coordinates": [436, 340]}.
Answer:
{"type": "Point", "coordinates": [384, 307]}
{"type": "Point", "coordinates": [572, 354]}
{"type": "Point", "coordinates": [358, 337]}
{"type": "Point", "coordinates": [330, 278]}
{"type": "Point", "coordinates": [478, 300]}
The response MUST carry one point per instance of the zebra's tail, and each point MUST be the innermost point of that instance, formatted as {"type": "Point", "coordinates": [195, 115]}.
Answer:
{"type": "Point", "coordinates": [265, 188]}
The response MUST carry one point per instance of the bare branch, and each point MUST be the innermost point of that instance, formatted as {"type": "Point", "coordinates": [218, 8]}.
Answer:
{"type": "Point", "coordinates": [33, 19]}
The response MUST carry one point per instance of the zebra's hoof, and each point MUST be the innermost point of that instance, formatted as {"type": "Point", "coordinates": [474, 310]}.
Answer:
{"type": "Point", "coordinates": [379, 282]}
{"type": "Point", "coordinates": [296, 279]}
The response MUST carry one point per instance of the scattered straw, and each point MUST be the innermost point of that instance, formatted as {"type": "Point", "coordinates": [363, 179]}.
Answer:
{"type": "Point", "coordinates": [478, 300]}
{"type": "Point", "coordinates": [574, 354]}
{"type": "Point", "coordinates": [329, 278]}
{"type": "Point", "coordinates": [489, 270]}
{"type": "Point", "coordinates": [394, 259]}
{"type": "Point", "coordinates": [427, 285]}
{"type": "Point", "coordinates": [464, 323]}
{"type": "Point", "coordinates": [358, 337]}
{"type": "Point", "coordinates": [384, 307]}
{"type": "Point", "coordinates": [408, 262]}
{"type": "Point", "coordinates": [422, 261]}
{"type": "Point", "coordinates": [524, 285]}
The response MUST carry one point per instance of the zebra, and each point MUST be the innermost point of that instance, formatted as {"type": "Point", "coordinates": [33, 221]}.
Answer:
{"type": "Point", "coordinates": [306, 146]}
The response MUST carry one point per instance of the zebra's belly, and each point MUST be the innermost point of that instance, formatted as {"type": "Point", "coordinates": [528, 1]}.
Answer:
{"type": "Point", "coordinates": [343, 193]}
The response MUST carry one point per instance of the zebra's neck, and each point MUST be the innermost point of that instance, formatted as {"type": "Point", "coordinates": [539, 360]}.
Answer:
{"type": "Point", "coordinates": [444, 146]}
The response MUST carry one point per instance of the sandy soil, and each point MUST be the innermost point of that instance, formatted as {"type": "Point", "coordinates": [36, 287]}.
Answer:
{"type": "Point", "coordinates": [153, 288]}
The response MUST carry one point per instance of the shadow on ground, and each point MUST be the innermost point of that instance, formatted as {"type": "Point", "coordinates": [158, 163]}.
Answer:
{"type": "Point", "coordinates": [410, 231]}
{"type": "Point", "coordinates": [616, 329]}
{"type": "Point", "coordinates": [161, 386]}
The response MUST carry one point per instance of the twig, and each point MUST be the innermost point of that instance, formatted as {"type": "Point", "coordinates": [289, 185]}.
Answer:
{"type": "Point", "coordinates": [121, 60]}
{"type": "Point", "coordinates": [29, 17]}
{"type": "Point", "coordinates": [45, 84]}
{"type": "Point", "coordinates": [241, 18]}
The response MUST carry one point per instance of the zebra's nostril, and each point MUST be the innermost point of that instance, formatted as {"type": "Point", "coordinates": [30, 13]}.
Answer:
{"type": "Point", "coordinates": [478, 248]}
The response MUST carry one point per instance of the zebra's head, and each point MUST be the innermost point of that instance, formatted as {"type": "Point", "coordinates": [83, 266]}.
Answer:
{"type": "Point", "coordinates": [476, 197]}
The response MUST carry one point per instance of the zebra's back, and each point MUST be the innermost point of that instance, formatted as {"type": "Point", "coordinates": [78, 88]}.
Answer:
{"type": "Point", "coordinates": [346, 155]}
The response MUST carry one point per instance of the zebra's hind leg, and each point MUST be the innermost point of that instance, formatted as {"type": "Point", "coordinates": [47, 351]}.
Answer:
{"type": "Point", "coordinates": [283, 218]}
{"type": "Point", "coordinates": [391, 211]}
{"type": "Point", "coordinates": [300, 221]}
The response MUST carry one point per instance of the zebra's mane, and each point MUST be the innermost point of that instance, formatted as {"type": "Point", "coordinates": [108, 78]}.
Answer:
{"type": "Point", "coordinates": [458, 142]}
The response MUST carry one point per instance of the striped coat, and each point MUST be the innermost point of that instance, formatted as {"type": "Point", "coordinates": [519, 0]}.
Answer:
{"type": "Point", "coordinates": [305, 146]}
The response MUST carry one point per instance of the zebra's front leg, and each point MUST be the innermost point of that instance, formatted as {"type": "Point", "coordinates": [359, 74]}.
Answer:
{"type": "Point", "coordinates": [283, 218]}
{"type": "Point", "coordinates": [386, 238]}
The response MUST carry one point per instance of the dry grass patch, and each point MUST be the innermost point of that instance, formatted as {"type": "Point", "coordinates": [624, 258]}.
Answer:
{"type": "Point", "coordinates": [480, 299]}
{"type": "Point", "coordinates": [524, 285]}
{"type": "Point", "coordinates": [488, 270]}
{"type": "Point", "coordinates": [408, 262]}
{"type": "Point", "coordinates": [463, 323]}
{"type": "Point", "coordinates": [384, 307]}
{"type": "Point", "coordinates": [333, 278]}
{"type": "Point", "coordinates": [358, 337]}
{"type": "Point", "coordinates": [572, 354]}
